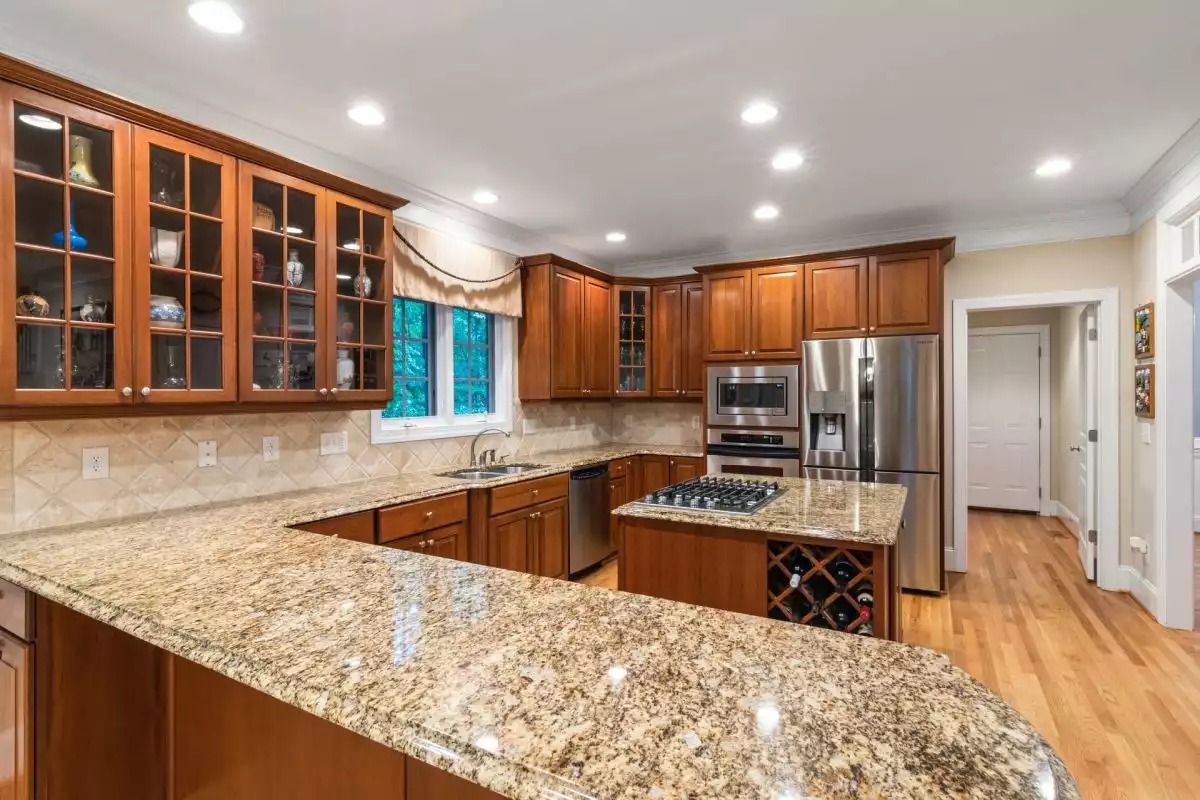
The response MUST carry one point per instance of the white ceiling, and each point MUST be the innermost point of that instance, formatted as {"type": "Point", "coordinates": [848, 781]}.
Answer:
{"type": "Point", "coordinates": [623, 114]}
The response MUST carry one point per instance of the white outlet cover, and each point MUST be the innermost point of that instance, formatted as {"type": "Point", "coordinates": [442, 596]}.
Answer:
{"type": "Point", "coordinates": [270, 448]}
{"type": "Point", "coordinates": [206, 453]}
{"type": "Point", "coordinates": [334, 443]}
{"type": "Point", "coordinates": [95, 463]}
{"type": "Point", "coordinates": [1146, 428]}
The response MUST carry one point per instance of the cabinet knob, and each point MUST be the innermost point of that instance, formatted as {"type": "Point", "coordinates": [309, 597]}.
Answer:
{"type": "Point", "coordinates": [753, 352]}
{"type": "Point", "coordinates": [322, 391]}
{"type": "Point", "coordinates": [334, 390]}
{"type": "Point", "coordinates": [429, 542]}
{"type": "Point", "coordinates": [428, 515]}
{"type": "Point", "coordinates": [745, 352]}
{"type": "Point", "coordinates": [535, 491]}
{"type": "Point", "coordinates": [145, 391]}
{"type": "Point", "coordinates": [127, 391]}
{"type": "Point", "coordinates": [421, 544]}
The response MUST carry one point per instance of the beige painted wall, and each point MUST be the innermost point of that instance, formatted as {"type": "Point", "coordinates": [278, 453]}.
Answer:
{"type": "Point", "coordinates": [1142, 455]}
{"type": "Point", "coordinates": [1063, 266]}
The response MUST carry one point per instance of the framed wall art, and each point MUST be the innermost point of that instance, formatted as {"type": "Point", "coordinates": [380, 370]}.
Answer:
{"type": "Point", "coordinates": [1143, 390]}
{"type": "Point", "coordinates": [1143, 331]}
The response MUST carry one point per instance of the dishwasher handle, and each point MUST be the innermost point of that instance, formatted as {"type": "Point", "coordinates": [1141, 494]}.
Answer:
{"type": "Point", "coordinates": [587, 473]}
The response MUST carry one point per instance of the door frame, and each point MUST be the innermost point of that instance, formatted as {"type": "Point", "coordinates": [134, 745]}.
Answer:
{"type": "Point", "coordinates": [1046, 506]}
{"type": "Point", "coordinates": [1109, 574]}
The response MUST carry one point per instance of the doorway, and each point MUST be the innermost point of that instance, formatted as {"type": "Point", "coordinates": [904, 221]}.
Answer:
{"type": "Point", "coordinates": [1084, 446]}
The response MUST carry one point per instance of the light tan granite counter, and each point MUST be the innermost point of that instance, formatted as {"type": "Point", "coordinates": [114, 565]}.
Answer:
{"type": "Point", "coordinates": [532, 687]}
{"type": "Point", "coordinates": [865, 513]}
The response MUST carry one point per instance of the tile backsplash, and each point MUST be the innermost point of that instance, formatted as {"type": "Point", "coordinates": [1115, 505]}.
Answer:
{"type": "Point", "coordinates": [153, 460]}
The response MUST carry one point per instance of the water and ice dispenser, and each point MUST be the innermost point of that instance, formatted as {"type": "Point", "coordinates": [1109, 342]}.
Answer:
{"type": "Point", "coordinates": [827, 421]}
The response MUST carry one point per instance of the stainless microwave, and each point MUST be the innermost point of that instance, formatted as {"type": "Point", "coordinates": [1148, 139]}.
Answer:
{"type": "Point", "coordinates": [756, 397]}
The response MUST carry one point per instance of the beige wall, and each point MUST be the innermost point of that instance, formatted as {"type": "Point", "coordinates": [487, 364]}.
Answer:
{"type": "Point", "coordinates": [1143, 456]}
{"type": "Point", "coordinates": [658, 423]}
{"type": "Point", "coordinates": [1063, 266]}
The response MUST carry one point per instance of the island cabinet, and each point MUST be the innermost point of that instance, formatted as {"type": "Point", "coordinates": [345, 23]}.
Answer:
{"type": "Point", "coordinates": [157, 264]}
{"type": "Point", "coordinates": [677, 343]}
{"type": "Point", "coordinates": [753, 313]}
{"type": "Point", "coordinates": [566, 336]}
{"type": "Point", "coordinates": [527, 526]}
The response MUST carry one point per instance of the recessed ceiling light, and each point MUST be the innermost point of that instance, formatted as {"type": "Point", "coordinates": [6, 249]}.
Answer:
{"type": "Point", "coordinates": [1053, 167]}
{"type": "Point", "coordinates": [759, 112]}
{"type": "Point", "coordinates": [215, 15]}
{"type": "Point", "coordinates": [766, 211]}
{"type": "Point", "coordinates": [615, 236]}
{"type": "Point", "coordinates": [485, 196]}
{"type": "Point", "coordinates": [787, 159]}
{"type": "Point", "coordinates": [41, 121]}
{"type": "Point", "coordinates": [366, 113]}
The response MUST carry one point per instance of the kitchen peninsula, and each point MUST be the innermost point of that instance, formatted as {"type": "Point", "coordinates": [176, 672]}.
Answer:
{"type": "Point", "coordinates": [815, 552]}
{"type": "Point", "coordinates": [220, 652]}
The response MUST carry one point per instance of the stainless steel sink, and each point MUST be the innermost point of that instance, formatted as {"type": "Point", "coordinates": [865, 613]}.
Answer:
{"type": "Point", "coordinates": [492, 471]}
{"type": "Point", "coordinates": [514, 469]}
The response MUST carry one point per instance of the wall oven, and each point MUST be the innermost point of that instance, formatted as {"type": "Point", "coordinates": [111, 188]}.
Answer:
{"type": "Point", "coordinates": [770, 453]}
{"type": "Point", "coordinates": [754, 397]}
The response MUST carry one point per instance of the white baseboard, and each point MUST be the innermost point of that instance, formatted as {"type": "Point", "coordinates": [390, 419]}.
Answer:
{"type": "Point", "coordinates": [1067, 516]}
{"type": "Point", "coordinates": [1142, 590]}
{"type": "Point", "coordinates": [952, 564]}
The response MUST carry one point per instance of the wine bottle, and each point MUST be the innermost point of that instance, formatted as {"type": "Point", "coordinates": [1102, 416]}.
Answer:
{"type": "Point", "coordinates": [864, 593]}
{"type": "Point", "coordinates": [843, 572]}
{"type": "Point", "coordinates": [866, 629]}
{"type": "Point", "coordinates": [800, 566]}
{"type": "Point", "coordinates": [843, 617]}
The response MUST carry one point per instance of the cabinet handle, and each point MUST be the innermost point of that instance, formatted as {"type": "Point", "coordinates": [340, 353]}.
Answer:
{"type": "Point", "coordinates": [145, 391]}
{"type": "Point", "coordinates": [672, 462]}
{"type": "Point", "coordinates": [127, 391]}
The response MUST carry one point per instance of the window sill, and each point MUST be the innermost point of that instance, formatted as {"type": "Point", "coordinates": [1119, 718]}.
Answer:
{"type": "Point", "coordinates": [396, 432]}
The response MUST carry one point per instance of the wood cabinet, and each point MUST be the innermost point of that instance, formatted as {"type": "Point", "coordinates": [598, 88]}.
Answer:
{"type": "Point", "coordinates": [685, 468]}
{"type": "Point", "coordinates": [693, 339]}
{"type": "Point", "coordinates": [656, 473]}
{"type": "Point", "coordinates": [420, 516]}
{"type": "Point", "coordinates": [358, 527]}
{"type": "Point", "coordinates": [905, 293]}
{"type": "Point", "coordinates": [597, 351]}
{"type": "Point", "coordinates": [449, 541]}
{"type": "Point", "coordinates": [532, 540]}
{"type": "Point", "coordinates": [566, 333]}
{"type": "Point", "coordinates": [16, 719]}
{"type": "Point", "coordinates": [634, 341]}
{"type": "Point", "coordinates": [754, 313]}
{"type": "Point", "coordinates": [835, 299]}
{"type": "Point", "coordinates": [509, 537]}
{"type": "Point", "coordinates": [549, 539]}
{"type": "Point", "coordinates": [677, 353]}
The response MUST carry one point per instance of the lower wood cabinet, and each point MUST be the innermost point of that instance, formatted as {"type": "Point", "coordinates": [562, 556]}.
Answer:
{"type": "Point", "coordinates": [685, 468]}
{"type": "Point", "coordinates": [450, 541]}
{"type": "Point", "coordinates": [532, 539]}
{"type": "Point", "coordinates": [656, 473]}
{"type": "Point", "coordinates": [16, 719]}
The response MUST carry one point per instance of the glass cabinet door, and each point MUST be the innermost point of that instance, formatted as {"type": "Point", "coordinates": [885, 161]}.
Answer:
{"type": "Point", "coordinates": [361, 319]}
{"type": "Point", "coordinates": [185, 309]}
{"type": "Point", "coordinates": [65, 233]}
{"type": "Point", "coordinates": [283, 288]}
{"type": "Point", "coordinates": [633, 337]}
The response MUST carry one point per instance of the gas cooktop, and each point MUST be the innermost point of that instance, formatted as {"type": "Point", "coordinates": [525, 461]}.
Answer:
{"type": "Point", "coordinates": [713, 493]}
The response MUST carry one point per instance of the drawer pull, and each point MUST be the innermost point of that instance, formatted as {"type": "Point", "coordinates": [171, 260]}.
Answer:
{"type": "Point", "coordinates": [535, 492]}
{"type": "Point", "coordinates": [428, 515]}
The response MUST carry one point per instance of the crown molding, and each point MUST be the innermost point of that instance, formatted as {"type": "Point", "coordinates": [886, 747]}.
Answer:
{"type": "Point", "coordinates": [436, 211]}
{"type": "Point", "coordinates": [1174, 170]}
{"type": "Point", "coordinates": [1087, 223]}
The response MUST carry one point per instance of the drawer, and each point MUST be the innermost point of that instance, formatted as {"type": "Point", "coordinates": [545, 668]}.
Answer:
{"type": "Point", "coordinates": [16, 610]}
{"type": "Point", "coordinates": [526, 493]}
{"type": "Point", "coordinates": [424, 515]}
{"type": "Point", "coordinates": [619, 468]}
{"type": "Point", "coordinates": [358, 527]}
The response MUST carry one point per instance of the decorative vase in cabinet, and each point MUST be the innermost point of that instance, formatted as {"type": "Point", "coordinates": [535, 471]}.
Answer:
{"type": "Point", "coordinates": [166, 312]}
{"type": "Point", "coordinates": [363, 285]}
{"type": "Point", "coordinates": [81, 162]}
{"type": "Point", "coordinates": [345, 369]}
{"type": "Point", "coordinates": [295, 268]}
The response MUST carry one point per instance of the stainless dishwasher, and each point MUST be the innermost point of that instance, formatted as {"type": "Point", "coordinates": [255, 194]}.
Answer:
{"type": "Point", "coordinates": [589, 517]}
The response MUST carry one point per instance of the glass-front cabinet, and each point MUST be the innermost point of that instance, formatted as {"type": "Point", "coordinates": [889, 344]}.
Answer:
{"type": "Point", "coordinates": [284, 288]}
{"type": "Point", "coordinates": [361, 368]}
{"type": "Point", "coordinates": [633, 323]}
{"type": "Point", "coordinates": [64, 175]}
{"type": "Point", "coordinates": [185, 263]}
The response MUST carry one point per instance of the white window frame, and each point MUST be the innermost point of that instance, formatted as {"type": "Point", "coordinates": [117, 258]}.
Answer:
{"type": "Point", "coordinates": [445, 424]}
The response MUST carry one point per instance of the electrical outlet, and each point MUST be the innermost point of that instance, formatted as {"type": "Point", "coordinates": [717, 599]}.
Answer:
{"type": "Point", "coordinates": [95, 463]}
{"type": "Point", "coordinates": [206, 453]}
{"type": "Point", "coordinates": [334, 443]}
{"type": "Point", "coordinates": [1145, 430]}
{"type": "Point", "coordinates": [270, 448]}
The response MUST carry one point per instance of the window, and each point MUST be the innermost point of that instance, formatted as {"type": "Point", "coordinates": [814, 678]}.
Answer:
{"type": "Point", "coordinates": [452, 371]}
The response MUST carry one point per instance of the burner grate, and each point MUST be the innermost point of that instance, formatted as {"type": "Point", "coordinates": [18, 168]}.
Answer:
{"type": "Point", "coordinates": [724, 495]}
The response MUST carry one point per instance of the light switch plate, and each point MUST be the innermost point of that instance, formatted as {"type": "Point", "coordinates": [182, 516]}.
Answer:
{"type": "Point", "coordinates": [206, 453]}
{"type": "Point", "coordinates": [270, 448]}
{"type": "Point", "coordinates": [334, 443]}
{"type": "Point", "coordinates": [95, 463]}
{"type": "Point", "coordinates": [1145, 431]}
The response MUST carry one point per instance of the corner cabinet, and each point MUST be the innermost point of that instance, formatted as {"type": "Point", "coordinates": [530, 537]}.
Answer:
{"type": "Point", "coordinates": [755, 313]}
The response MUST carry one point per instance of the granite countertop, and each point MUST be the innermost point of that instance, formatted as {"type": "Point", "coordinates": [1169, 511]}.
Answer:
{"type": "Point", "coordinates": [864, 513]}
{"type": "Point", "coordinates": [534, 687]}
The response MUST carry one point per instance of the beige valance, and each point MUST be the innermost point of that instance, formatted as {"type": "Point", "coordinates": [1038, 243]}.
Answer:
{"type": "Point", "coordinates": [415, 278]}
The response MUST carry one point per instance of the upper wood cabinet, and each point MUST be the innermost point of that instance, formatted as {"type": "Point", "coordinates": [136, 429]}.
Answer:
{"type": "Point", "coordinates": [634, 340]}
{"type": "Point", "coordinates": [566, 332]}
{"type": "Point", "coordinates": [905, 293]}
{"type": "Point", "coordinates": [597, 350]}
{"type": "Point", "coordinates": [65, 296]}
{"type": "Point", "coordinates": [677, 353]}
{"type": "Point", "coordinates": [184, 271]}
{"type": "Point", "coordinates": [754, 313]}
{"type": "Point", "coordinates": [835, 299]}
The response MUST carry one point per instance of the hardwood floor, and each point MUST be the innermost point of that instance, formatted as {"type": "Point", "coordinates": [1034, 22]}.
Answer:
{"type": "Point", "coordinates": [1116, 694]}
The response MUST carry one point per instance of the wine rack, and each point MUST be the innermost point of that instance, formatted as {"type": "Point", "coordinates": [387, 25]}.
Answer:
{"type": "Point", "coordinates": [823, 586]}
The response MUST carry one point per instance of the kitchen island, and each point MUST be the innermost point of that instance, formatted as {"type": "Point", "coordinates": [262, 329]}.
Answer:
{"type": "Point", "coordinates": [221, 653]}
{"type": "Point", "coordinates": [817, 552]}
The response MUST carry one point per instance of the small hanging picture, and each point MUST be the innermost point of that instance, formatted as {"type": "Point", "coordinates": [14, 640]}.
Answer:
{"type": "Point", "coordinates": [1143, 390]}
{"type": "Point", "coordinates": [1143, 331]}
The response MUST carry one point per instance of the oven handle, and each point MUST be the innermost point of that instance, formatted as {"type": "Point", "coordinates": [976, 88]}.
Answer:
{"type": "Point", "coordinates": [752, 451]}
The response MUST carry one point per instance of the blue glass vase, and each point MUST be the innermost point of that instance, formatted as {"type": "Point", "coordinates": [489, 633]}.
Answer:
{"type": "Point", "coordinates": [77, 241]}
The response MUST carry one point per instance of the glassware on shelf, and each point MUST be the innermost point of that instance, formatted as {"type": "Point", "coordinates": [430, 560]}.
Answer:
{"type": "Point", "coordinates": [175, 377]}
{"type": "Point", "coordinates": [77, 241]}
{"type": "Point", "coordinates": [163, 189]}
{"type": "Point", "coordinates": [81, 162]}
{"type": "Point", "coordinates": [166, 247]}
{"type": "Point", "coordinates": [94, 310]}
{"type": "Point", "coordinates": [295, 268]}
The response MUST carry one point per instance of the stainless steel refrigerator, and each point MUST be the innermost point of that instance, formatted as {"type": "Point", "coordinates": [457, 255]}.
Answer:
{"type": "Point", "coordinates": [872, 413]}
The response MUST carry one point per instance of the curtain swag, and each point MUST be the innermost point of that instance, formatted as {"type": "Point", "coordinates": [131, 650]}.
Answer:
{"type": "Point", "coordinates": [438, 268]}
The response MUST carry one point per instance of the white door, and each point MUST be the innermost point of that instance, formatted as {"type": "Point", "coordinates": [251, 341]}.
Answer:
{"type": "Point", "coordinates": [1003, 417]}
{"type": "Point", "coordinates": [1084, 448]}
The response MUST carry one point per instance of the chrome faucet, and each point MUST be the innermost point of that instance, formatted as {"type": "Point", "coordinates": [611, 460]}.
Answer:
{"type": "Point", "coordinates": [475, 441]}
